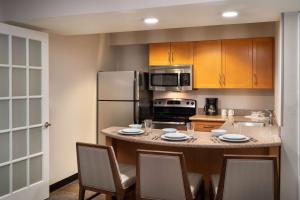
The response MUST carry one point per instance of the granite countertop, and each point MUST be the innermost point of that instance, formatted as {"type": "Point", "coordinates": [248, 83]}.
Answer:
{"type": "Point", "coordinates": [267, 136]}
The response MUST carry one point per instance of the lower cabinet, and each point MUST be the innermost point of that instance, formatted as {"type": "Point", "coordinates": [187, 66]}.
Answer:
{"type": "Point", "coordinates": [207, 126]}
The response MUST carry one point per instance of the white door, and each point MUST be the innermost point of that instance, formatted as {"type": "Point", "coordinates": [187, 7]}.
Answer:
{"type": "Point", "coordinates": [24, 160]}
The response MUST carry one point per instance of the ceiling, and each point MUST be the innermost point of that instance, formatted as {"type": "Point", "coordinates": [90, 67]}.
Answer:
{"type": "Point", "coordinates": [104, 16]}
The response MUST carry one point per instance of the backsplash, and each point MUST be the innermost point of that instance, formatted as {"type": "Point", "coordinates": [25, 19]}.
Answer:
{"type": "Point", "coordinates": [227, 98]}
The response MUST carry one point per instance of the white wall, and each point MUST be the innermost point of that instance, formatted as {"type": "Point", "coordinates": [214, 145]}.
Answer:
{"type": "Point", "coordinates": [73, 67]}
{"type": "Point", "coordinates": [290, 155]}
{"type": "Point", "coordinates": [265, 29]}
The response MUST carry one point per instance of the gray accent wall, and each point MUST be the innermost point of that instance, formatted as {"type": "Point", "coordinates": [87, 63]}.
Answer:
{"type": "Point", "coordinates": [290, 155]}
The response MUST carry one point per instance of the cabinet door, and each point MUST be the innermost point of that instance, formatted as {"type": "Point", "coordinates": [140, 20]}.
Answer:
{"type": "Point", "coordinates": [207, 64]}
{"type": "Point", "coordinates": [263, 63]}
{"type": "Point", "coordinates": [182, 53]}
{"type": "Point", "coordinates": [237, 63]}
{"type": "Point", "coordinates": [159, 54]}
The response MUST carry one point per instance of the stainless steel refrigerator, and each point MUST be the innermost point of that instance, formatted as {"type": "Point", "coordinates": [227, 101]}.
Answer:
{"type": "Point", "coordinates": [123, 99]}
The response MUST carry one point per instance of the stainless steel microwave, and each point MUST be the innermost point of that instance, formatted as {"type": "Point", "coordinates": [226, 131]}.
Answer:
{"type": "Point", "coordinates": [171, 78]}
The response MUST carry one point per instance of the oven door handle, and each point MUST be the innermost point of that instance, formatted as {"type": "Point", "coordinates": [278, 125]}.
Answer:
{"type": "Point", "coordinates": [172, 123]}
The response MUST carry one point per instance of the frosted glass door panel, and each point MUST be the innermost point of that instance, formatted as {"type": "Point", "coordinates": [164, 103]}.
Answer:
{"type": "Point", "coordinates": [24, 108]}
{"type": "Point", "coordinates": [4, 49]}
{"type": "Point", "coordinates": [19, 175]}
{"type": "Point", "coordinates": [4, 180]}
{"type": "Point", "coordinates": [4, 114]}
{"type": "Point", "coordinates": [18, 82]}
{"type": "Point", "coordinates": [4, 81]}
{"type": "Point", "coordinates": [35, 169]}
{"type": "Point", "coordinates": [18, 51]}
{"type": "Point", "coordinates": [19, 113]}
{"type": "Point", "coordinates": [19, 144]}
{"type": "Point", "coordinates": [35, 78]}
{"type": "Point", "coordinates": [35, 111]}
{"type": "Point", "coordinates": [35, 138]}
{"type": "Point", "coordinates": [35, 53]}
{"type": "Point", "coordinates": [4, 147]}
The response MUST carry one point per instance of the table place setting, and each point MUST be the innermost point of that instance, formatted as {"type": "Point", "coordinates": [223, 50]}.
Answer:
{"type": "Point", "coordinates": [221, 135]}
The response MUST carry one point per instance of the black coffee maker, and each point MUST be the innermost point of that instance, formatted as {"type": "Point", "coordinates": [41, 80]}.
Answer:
{"type": "Point", "coordinates": [211, 106]}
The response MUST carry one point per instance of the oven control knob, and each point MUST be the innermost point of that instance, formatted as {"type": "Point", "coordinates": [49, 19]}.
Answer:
{"type": "Point", "coordinates": [187, 103]}
{"type": "Point", "coordinates": [192, 103]}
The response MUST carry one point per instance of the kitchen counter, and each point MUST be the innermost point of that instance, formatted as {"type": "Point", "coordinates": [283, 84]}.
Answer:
{"type": "Point", "coordinates": [203, 155]}
{"type": "Point", "coordinates": [267, 136]}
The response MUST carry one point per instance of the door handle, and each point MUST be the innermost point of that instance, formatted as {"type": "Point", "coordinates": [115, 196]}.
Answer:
{"type": "Point", "coordinates": [47, 124]}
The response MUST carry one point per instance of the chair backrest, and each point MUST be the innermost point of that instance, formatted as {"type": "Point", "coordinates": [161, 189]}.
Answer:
{"type": "Point", "coordinates": [248, 178]}
{"type": "Point", "coordinates": [97, 167]}
{"type": "Point", "coordinates": [162, 175]}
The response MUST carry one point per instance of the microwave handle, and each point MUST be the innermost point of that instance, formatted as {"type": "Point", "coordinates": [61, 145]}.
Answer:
{"type": "Point", "coordinates": [179, 82]}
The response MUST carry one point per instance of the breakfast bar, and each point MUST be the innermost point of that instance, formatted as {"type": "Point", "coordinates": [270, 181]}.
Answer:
{"type": "Point", "coordinates": [204, 153]}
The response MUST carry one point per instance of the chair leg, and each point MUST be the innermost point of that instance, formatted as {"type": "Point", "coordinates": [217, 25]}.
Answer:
{"type": "Point", "coordinates": [114, 198]}
{"type": "Point", "coordinates": [81, 193]}
{"type": "Point", "coordinates": [202, 191]}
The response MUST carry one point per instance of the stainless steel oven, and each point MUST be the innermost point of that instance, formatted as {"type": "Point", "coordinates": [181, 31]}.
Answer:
{"type": "Point", "coordinates": [171, 78]}
{"type": "Point", "coordinates": [168, 113]}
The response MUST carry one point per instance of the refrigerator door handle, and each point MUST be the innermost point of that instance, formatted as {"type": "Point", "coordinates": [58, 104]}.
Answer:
{"type": "Point", "coordinates": [136, 112]}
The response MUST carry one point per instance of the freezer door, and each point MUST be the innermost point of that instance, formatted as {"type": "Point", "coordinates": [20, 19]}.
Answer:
{"type": "Point", "coordinates": [114, 113]}
{"type": "Point", "coordinates": [118, 85]}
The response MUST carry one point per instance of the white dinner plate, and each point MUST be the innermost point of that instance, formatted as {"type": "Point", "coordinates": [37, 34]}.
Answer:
{"type": "Point", "coordinates": [175, 135]}
{"type": "Point", "coordinates": [234, 136]}
{"type": "Point", "coordinates": [169, 130]}
{"type": "Point", "coordinates": [131, 130]}
{"type": "Point", "coordinates": [131, 133]}
{"type": "Point", "coordinates": [175, 139]}
{"type": "Point", "coordinates": [230, 140]}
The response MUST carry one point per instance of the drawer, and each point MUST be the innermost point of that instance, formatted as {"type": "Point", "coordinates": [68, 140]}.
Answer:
{"type": "Point", "coordinates": [207, 126]}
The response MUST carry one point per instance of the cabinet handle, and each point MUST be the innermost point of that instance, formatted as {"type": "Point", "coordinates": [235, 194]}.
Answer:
{"type": "Point", "coordinates": [207, 126]}
{"type": "Point", "coordinates": [172, 57]}
{"type": "Point", "coordinates": [169, 57]}
{"type": "Point", "coordinates": [220, 79]}
{"type": "Point", "coordinates": [255, 79]}
{"type": "Point", "coordinates": [223, 80]}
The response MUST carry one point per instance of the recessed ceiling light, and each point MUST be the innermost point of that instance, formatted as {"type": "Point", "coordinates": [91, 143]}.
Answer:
{"type": "Point", "coordinates": [151, 20]}
{"type": "Point", "coordinates": [230, 14]}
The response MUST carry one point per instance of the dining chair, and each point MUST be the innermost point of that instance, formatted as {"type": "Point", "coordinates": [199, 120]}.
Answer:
{"type": "Point", "coordinates": [247, 178]}
{"type": "Point", "coordinates": [163, 175]}
{"type": "Point", "coordinates": [99, 171]}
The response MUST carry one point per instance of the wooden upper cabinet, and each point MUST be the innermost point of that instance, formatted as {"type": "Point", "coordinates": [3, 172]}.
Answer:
{"type": "Point", "coordinates": [182, 53]}
{"type": "Point", "coordinates": [159, 54]}
{"type": "Point", "coordinates": [237, 63]}
{"type": "Point", "coordinates": [177, 53]}
{"type": "Point", "coordinates": [263, 63]}
{"type": "Point", "coordinates": [207, 64]}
